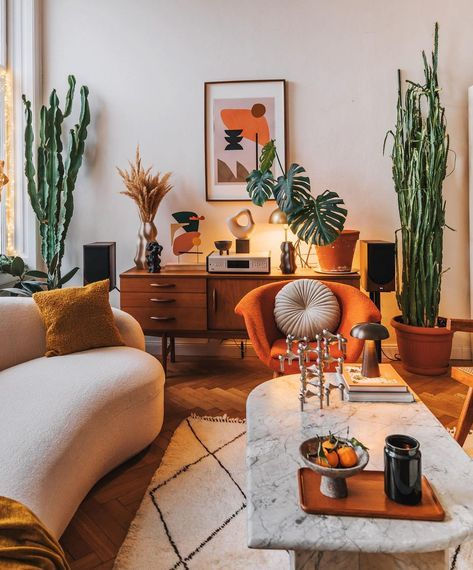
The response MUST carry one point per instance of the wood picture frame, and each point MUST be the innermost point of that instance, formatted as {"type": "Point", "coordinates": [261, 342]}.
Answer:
{"type": "Point", "coordinates": [239, 118]}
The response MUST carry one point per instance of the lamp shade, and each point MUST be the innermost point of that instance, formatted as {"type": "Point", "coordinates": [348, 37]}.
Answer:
{"type": "Point", "coordinates": [277, 217]}
{"type": "Point", "coordinates": [369, 331]}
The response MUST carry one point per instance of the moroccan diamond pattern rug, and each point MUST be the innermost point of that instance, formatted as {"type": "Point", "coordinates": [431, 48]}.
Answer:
{"type": "Point", "coordinates": [193, 515]}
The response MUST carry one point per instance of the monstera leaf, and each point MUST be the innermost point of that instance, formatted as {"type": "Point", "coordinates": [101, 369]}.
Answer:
{"type": "Point", "coordinates": [292, 190]}
{"type": "Point", "coordinates": [268, 154]}
{"type": "Point", "coordinates": [260, 186]}
{"type": "Point", "coordinates": [319, 220]}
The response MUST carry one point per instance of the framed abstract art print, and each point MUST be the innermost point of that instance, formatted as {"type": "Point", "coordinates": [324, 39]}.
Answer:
{"type": "Point", "coordinates": [240, 118]}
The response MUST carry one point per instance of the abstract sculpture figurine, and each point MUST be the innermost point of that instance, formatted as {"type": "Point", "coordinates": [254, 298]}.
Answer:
{"type": "Point", "coordinates": [153, 256]}
{"type": "Point", "coordinates": [242, 243]}
{"type": "Point", "coordinates": [319, 387]}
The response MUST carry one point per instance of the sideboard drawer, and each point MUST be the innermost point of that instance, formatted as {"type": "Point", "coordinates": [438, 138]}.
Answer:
{"type": "Point", "coordinates": [163, 298]}
{"type": "Point", "coordinates": [169, 318]}
{"type": "Point", "coordinates": [157, 282]}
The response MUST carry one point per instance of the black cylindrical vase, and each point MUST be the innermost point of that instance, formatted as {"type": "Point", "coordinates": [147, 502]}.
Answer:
{"type": "Point", "coordinates": [403, 469]}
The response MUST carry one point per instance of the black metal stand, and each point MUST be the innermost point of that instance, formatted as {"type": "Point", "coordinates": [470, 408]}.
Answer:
{"type": "Point", "coordinates": [375, 296]}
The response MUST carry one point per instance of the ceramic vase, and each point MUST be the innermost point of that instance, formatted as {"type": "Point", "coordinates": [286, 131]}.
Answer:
{"type": "Point", "coordinates": [288, 257]}
{"type": "Point", "coordinates": [146, 233]}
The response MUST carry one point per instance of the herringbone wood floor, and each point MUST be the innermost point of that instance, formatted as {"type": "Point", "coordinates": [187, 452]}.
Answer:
{"type": "Point", "coordinates": [207, 386]}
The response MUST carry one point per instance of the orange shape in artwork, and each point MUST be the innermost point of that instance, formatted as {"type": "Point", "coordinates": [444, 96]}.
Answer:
{"type": "Point", "coordinates": [184, 242]}
{"type": "Point", "coordinates": [249, 121]}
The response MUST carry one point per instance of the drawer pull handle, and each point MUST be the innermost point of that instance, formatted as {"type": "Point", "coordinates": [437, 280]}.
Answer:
{"type": "Point", "coordinates": [163, 318]}
{"type": "Point", "coordinates": [163, 285]}
{"type": "Point", "coordinates": [163, 300]}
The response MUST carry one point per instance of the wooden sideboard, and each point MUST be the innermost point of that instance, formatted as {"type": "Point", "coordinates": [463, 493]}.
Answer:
{"type": "Point", "coordinates": [196, 303]}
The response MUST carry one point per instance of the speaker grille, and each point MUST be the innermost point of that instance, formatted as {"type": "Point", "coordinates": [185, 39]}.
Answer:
{"type": "Point", "coordinates": [99, 262]}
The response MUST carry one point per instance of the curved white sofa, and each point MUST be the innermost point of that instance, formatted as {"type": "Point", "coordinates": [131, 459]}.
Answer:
{"type": "Point", "coordinates": [68, 420]}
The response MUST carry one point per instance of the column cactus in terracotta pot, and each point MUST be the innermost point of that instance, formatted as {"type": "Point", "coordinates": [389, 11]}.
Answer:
{"type": "Point", "coordinates": [419, 167]}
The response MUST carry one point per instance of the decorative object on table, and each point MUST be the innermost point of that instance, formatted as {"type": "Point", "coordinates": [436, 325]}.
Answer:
{"type": "Point", "coordinates": [403, 469]}
{"type": "Point", "coordinates": [337, 257]}
{"type": "Point", "coordinates": [314, 220]}
{"type": "Point", "coordinates": [334, 459]}
{"type": "Point", "coordinates": [186, 237]}
{"type": "Point", "coordinates": [147, 191]}
{"type": "Point", "coordinates": [29, 281]}
{"type": "Point", "coordinates": [66, 314]}
{"type": "Point", "coordinates": [308, 372]}
{"type": "Point", "coordinates": [99, 261]}
{"type": "Point", "coordinates": [366, 499]}
{"type": "Point", "coordinates": [153, 256]}
{"type": "Point", "coordinates": [305, 307]}
{"type": "Point", "coordinates": [239, 262]}
{"type": "Point", "coordinates": [418, 175]}
{"type": "Point", "coordinates": [241, 232]}
{"type": "Point", "coordinates": [370, 333]}
{"type": "Point", "coordinates": [51, 195]}
{"type": "Point", "coordinates": [288, 251]}
{"type": "Point", "coordinates": [3, 177]}
{"type": "Point", "coordinates": [223, 245]}
{"type": "Point", "coordinates": [388, 387]}
{"type": "Point", "coordinates": [240, 118]}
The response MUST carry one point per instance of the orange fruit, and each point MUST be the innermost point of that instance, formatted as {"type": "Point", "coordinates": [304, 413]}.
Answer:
{"type": "Point", "coordinates": [347, 456]}
{"type": "Point", "coordinates": [330, 459]}
{"type": "Point", "coordinates": [328, 445]}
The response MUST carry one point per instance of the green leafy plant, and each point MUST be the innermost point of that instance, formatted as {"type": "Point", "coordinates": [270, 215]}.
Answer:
{"type": "Point", "coordinates": [419, 167]}
{"type": "Point", "coordinates": [29, 281]}
{"type": "Point", "coordinates": [315, 220]}
{"type": "Point", "coordinates": [52, 181]}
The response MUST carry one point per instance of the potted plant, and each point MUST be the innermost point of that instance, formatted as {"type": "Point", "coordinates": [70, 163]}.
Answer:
{"type": "Point", "coordinates": [52, 176]}
{"type": "Point", "coordinates": [315, 220]}
{"type": "Point", "coordinates": [419, 167]}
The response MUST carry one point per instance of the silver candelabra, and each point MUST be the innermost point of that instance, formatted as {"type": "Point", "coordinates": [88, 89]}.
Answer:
{"type": "Point", "coordinates": [312, 375]}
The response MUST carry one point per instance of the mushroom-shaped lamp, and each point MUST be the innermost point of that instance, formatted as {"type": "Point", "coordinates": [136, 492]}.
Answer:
{"type": "Point", "coordinates": [370, 332]}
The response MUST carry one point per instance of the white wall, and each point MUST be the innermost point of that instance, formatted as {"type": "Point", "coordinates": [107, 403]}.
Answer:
{"type": "Point", "coordinates": [145, 62]}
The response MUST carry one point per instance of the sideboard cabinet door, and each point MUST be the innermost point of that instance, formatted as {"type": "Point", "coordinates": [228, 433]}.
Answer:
{"type": "Point", "coordinates": [223, 294]}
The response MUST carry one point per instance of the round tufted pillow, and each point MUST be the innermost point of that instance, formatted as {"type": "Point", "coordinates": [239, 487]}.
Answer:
{"type": "Point", "coordinates": [305, 307]}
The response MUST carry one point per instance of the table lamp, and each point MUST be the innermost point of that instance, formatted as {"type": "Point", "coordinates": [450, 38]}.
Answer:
{"type": "Point", "coordinates": [370, 332]}
{"type": "Point", "coordinates": [288, 252]}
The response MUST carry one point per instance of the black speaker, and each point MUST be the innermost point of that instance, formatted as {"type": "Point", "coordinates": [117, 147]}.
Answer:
{"type": "Point", "coordinates": [377, 265]}
{"type": "Point", "coordinates": [100, 262]}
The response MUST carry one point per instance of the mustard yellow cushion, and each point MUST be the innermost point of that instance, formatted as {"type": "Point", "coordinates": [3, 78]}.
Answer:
{"type": "Point", "coordinates": [78, 318]}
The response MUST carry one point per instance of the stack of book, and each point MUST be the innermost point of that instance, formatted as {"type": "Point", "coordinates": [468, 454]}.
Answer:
{"type": "Point", "coordinates": [389, 387]}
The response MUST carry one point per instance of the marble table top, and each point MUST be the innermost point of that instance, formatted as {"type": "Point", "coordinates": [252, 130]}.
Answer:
{"type": "Point", "coordinates": [275, 429]}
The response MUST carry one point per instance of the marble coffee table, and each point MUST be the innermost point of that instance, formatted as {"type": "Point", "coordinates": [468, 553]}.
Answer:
{"type": "Point", "coordinates": [275, 429]}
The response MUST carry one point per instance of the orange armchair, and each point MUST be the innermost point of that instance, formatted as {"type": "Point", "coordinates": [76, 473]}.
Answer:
{"type": "Point", "coordinates": [257, 308]}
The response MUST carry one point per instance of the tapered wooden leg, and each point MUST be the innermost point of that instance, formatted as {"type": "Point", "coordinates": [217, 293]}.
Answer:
{"type": "Point", "coordinates": [164, 352]}
{"type": "Point", "coordinates": [172, 341]}
{"type": "Point", "coordinates": [466, 418]}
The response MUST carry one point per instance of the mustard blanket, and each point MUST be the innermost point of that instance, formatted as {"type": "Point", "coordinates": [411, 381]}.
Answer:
{"type": "Point", "coordinates": [24, 541]}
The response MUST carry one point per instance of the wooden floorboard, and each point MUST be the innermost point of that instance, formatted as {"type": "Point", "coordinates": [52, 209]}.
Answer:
{"type": "Point", "coordinates": [206, 386]}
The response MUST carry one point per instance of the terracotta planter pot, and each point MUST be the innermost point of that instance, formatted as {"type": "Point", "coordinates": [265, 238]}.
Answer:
{"type": "Point", "coordinates": [338, 256]}
{"type": "Point", "coordinates": [423, 350]}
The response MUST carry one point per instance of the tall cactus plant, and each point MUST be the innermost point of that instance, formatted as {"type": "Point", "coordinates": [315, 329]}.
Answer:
{"type": "Point", "coordinates": [52, 181]}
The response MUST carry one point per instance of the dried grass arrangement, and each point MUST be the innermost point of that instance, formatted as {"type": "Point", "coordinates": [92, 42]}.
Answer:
{"type": "Point", "coordinates": [145, 189]}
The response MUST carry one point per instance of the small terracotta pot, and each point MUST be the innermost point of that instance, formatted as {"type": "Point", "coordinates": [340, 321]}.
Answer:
{"type": "Point", "coordinates": [338, 256]}
{"type": "Point", "coordinates": [423, 350]}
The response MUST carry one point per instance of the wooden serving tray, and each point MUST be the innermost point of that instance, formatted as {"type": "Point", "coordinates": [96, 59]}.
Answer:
{"type": "Point", "coordinates": [366, 498]}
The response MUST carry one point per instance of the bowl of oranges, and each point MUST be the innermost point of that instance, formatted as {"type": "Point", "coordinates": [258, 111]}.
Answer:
{"type": "Point", "coordinates": [334, 459]}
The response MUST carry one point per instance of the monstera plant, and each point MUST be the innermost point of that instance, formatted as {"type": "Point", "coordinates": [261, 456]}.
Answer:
{"type": "Point", "coordinates": [315, 220]}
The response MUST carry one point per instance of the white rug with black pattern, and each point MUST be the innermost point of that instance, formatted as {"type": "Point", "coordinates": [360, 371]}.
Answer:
{"type": "Point", "coordinates": [193, 515]}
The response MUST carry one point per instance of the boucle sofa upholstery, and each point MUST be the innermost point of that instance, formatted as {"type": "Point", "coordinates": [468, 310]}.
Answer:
{"type": "Point", "coordinates": [68, 420]}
